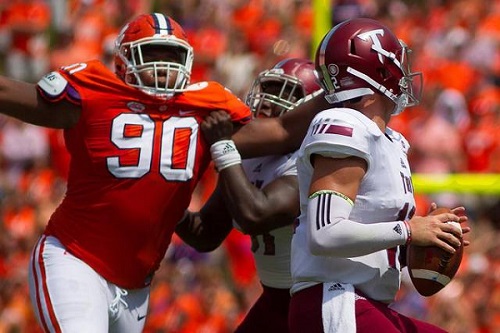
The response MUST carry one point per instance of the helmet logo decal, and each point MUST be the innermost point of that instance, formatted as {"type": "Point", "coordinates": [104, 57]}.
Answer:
{"type": "Point", "coordinates": [373, 35]}
{"type": "Point", "coordinates": [333, 69]}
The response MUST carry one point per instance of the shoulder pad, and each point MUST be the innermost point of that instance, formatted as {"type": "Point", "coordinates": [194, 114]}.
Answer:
{"type": "Point", "coordinates": [53, 84]}
{"type": "Point", "coordinates": [350, 115]}
{"type": "Point", "coordinates": [340, 132]}
{"type": "Point", "coordinates": [197, 86]}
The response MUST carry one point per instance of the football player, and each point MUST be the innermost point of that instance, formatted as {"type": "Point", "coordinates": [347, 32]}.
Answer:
{"type": "Point", "coordinates": [261, 194]}
{"type": "Point", "coordinates": [357, 203]}
{"type": "Point", "coordinates": [356, 195]}
{"type": "Point", "coordinates": [136, 157]}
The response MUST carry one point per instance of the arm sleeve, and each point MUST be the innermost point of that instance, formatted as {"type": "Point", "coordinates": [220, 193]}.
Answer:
{"type": "Point", "coordinates": [331, 233]}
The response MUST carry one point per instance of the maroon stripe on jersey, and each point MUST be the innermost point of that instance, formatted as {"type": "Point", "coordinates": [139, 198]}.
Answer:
{"type": "Point", "coordinates": [48, 303]}
{"type": "Point", "coordinates": [341, 130]}
{"type": "Point", "coordinates": [37, 290]}
{"type": "Point", "coordinates": [391, 256]}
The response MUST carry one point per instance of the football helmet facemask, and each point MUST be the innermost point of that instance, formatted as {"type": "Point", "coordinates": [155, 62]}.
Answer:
{"type": "Point", "coordinates": [162, 35]}
{"type": "Point", "coordinates": [361, 56]}
{"type": "Point", "coordinates": [279, 89]}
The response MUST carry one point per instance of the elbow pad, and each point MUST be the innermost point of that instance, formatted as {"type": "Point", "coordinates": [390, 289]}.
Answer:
{"type": "Point", "coordinates": [331, 233]}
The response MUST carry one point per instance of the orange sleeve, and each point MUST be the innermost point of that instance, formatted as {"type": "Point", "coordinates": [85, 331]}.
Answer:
{"type": "Point", "coordinates": [238, 110]}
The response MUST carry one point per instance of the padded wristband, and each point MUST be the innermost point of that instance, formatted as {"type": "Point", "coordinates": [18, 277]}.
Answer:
{"type": "Point", "coordinates": [224, 154]}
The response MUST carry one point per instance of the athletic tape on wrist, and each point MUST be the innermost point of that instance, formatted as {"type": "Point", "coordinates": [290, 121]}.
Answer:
{"type": "Point", "coordinates": [224, 154]}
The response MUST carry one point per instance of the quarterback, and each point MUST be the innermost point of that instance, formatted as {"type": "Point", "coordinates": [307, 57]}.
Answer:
{"type": "Point", "coordinates": [356, 194]}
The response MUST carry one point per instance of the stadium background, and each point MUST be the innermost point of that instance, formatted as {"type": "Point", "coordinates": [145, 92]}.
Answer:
{"type": "Point", "coordinates": [455, 142]}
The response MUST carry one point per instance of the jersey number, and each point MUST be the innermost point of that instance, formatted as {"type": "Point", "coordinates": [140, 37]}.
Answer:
{"type": "Point", "coordinates": [268, 240]}
{"type": "Point", "coordinates": [141, 139]}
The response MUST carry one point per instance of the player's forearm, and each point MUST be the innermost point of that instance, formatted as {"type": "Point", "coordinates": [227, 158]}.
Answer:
{"type": "Point", "coordinates": [247, 204]}
{"type": "Point", "coordinates": [277, 136]}
{"type": "Point", "coordinates": [216, 220]}
{"type": "Point", "coordinates": [206, 230]}
{"type": "Point", "coordinates": [263, 137]}
{"type": "Point", "coordinates": [201, 233]}
{"type": "Point", "coordinates": [257, 210]}
{"type": "Point", "coordinates": [331, 233]}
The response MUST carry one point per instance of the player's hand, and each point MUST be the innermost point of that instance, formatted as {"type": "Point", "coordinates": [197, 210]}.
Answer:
{"type": "Point", "coordinates": [217, 126]}
{"type": "Point", "coordinates": [460, 211]}
{"type": "Point", "coordinates": [432, 230]}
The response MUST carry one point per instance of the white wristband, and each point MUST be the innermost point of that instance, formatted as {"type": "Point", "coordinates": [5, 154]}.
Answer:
{"type": "Point", "coordinates": [225, 154]}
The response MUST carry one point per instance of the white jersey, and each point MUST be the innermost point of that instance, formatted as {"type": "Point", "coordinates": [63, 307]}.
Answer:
{"type": "Point", "coordinates": [272, 250]}
{"type": "Point", "coordinates": [385, 194]}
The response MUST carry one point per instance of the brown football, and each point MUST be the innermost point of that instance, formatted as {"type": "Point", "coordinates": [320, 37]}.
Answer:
{"type": "Point", "coordinates": [430, 267]}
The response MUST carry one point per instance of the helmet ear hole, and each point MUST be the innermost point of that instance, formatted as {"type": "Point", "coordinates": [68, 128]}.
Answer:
{"type": "Point", "coordinates": [384, 73]}
{"type": "Point", "coordinates": [352, 47]}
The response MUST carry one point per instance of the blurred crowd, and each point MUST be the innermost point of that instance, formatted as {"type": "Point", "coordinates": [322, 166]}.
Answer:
{"type": "Point", "coordinates": [456, 44]}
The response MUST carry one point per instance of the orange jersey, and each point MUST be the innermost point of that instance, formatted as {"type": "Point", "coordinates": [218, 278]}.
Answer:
{"type": "Point", "coordinates": [135, 161]}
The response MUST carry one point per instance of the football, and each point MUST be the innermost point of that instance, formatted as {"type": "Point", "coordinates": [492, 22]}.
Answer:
{"type": "Point", "coordinates": [430, 267]}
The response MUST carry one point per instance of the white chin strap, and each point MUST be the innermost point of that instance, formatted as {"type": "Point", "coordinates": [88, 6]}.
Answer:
{"type": "Point", "coordinates": [400, 101]}
{"type": "Point", "coordinates": [373, 83]}
{"type": "Point", "coordinates": [342, 96]}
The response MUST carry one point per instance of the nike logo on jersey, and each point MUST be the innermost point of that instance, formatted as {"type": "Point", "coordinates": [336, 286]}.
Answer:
{"type": "Point", "coordinates": [185, 113]}
{"type": "Point", "coordinates": [139, 317]}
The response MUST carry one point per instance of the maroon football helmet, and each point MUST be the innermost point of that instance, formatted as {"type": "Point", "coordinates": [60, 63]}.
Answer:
{"type": "Point", "coordinates": [362, 56]}
{"type": "Point", "coordinates": [277, 90]}
{"type": "Point", "coordinates": [153, 31]}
